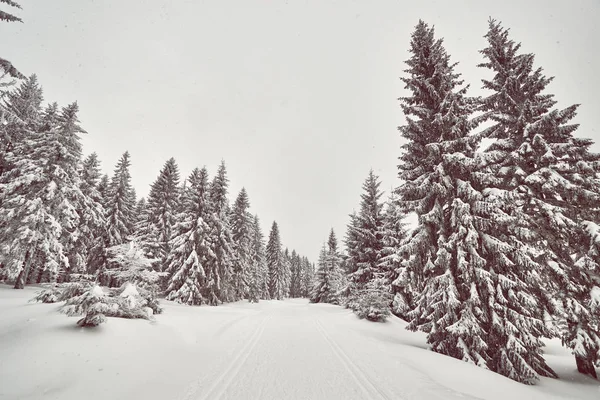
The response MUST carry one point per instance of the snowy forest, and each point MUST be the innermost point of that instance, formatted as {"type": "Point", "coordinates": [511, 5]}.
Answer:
{"type": "Point", "coordinates": [506, 249]}
{"type": "Point", "coordinates": [504, 254]}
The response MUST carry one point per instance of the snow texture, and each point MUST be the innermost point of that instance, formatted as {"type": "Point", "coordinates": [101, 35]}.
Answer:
{"type": "Point", "coordinates": [269, 350]}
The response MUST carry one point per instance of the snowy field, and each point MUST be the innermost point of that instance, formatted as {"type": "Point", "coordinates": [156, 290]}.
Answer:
{"type": "Point", "coordinates": [271, 350]}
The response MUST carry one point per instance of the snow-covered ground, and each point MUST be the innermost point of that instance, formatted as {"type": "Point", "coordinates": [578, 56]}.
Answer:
{"type": "Point", "coordinates": [271, 350]}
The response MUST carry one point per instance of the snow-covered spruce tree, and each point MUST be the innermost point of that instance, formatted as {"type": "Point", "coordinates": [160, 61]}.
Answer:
{"type": "Point", "coordinates": [219, 269]}
{"type": "Point", "coordinates": [394, 234]}
{"type": "Point", "coordinates": [190, 248]}
{"type": "Point", "coordinates": [154, 230]}
{"type": "Point", "coordinates": [102, 188]}
{"type": "Point", "coordinates": [334, 261]}
{"type": "Point", "coordinates": [24, 104]}
{"type": "Point", "coordinates": [394, 231]}
{"type": "Point", "coordinates": [275, 264]}
{"type": "Point", "coordinates": [296, 275]}
{"type": "Point", "coordinates": [119, 206]}
{"type": "Point", "coordinates": [550, 174]}
{"type": "Point", "coordinates": [259, 272]}
{"type": "Point", "coordinates": [83, 240]}
{"type": "Point", "coordinates": [324, 288]}
{"type": "Point", "coordinates": [582, 335]}
{"type": "Point", "coordinates": [350, 261]}
{"type": "Point", "coordinates": [90, 176]}
{"type": "Point", "coordinates": [241, 229]}
{"type": "Point", "coordinates": [20, 112]}
{"type": "Point", "coordinates": [7, 70]}
{"type": "Point", "coordinates": [326, 284]}
{"type": "Point", "coordinates": [365, 240]}
{"type": "Point", "coordinates": [308, 274]}
{"type": "Point", "coordinates": [254, 267]}
{"type": "Point", "coordinates": [118, 203]}
{"type": "Point", "coordinates": [42, 203]}
{"type": "Point", "coordinates": [287, 272]}
{"type": "Point", "coordinates": [476, 286]}
{"type": "Point", "coordinates": [130, 267]}
{"type": "Point", "coordinates": [93, 304]}
{"type": "Point", "coordinates": [140, 210]}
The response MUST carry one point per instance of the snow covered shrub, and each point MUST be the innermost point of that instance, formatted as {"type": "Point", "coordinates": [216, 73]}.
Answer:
{"type": "Point", "coordinates": [348, 296]}
{"type": "Point", "coordinates": [134, 302]}
{"type": "Point", "coordinates": [49, 294]}
{"type": "Point", "coordinates": [93, 305]}
{"type": "Point", "coordinates": [58, 292]}
{"type": "Point", "coordinates": [374, 301]}
{"type": "Point", "coordinates": [130, 265]}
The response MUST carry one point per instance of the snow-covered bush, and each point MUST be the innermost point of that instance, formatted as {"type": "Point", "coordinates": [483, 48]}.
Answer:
{"type": "Point", "coordinates": [130, 265]}
{"type": "Point", "coordinates": [374, 301]}
{"type": "Point", "coordinates": [57, 292]}
{"type": "Point", "coordinates": [93, 305]}
{"type": "Point", "coordinates": [134, 302]}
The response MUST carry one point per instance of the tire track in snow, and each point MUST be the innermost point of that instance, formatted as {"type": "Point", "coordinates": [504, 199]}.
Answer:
{"type": "Point", "coordinates": [370, 390]}
{"type": "Point", "coordinates": [222, 382]}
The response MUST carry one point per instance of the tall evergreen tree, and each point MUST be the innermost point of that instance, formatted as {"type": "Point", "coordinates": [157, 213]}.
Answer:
{"type": "Point", "coordinates": [334, 260]}
{"type": "Point", "coordinates": [296, 275]}
{"type": "Point", "coordinates": [102, 188]}
{"type": "Point", "coordinates": [90, 176]}
{"type": "Point", "coordinates": [91, 181]}
{"type": "Point", "coordinates": [552, 177]}
{"type": "Point", "coordinates": [241, 229]}
{"type": "Point", "coordinates": [80, 240]}
{"type": "Point", "coordinates": [257, 270]}
{"type": "Point", "coordinates": [140, 214]}
{"type": "Point", "coordinates": [24, 104]}
{"type": "Point", "coordinates": [6, 67]}
{"type": "Point", "coordinates": [306, 277]}
{"type": "Point", "coordinates": [323, 289]}
{"type": "Point", "coordinates": [365, 240]}
{"type": "Point", "coordinates": [287, 272]}
{"type": "Point", "coordinates": [42, 202]}
{"type": "Point", "coordinates": [219, 268]}
{"type": "Point", "coordinates": [394, 234]}
{"type": "Point", "coordinates": [119, 203]}
{"type": "Point", "coordinates": [476, 288]}
{"type": "Point", "coordinates": [275, 264]}
{"type": "Point", "coordinates": [258, 285]}
{"type": "Point", "coordinates": [160, 211]}
{"type": "Point", "coordinates": [190, 248]}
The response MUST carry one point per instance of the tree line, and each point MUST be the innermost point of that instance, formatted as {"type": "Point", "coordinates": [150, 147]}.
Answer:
{"type": "Point", "coordinates": [59, 214]}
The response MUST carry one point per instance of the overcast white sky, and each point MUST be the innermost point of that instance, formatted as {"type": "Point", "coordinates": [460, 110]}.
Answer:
{"type": "Point", "coordinates": [298, 97]}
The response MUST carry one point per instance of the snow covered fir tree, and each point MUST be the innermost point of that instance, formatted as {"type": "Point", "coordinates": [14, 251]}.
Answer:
{"type": "Point", "coordinates": [502, 256]}
{"type": "Point", "coordinates": [60, 218]}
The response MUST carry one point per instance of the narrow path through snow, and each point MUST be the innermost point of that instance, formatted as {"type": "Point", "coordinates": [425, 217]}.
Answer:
{"type": "Point", "coordinates": [276, 350]}
{"type": "Point", "coordinates": [293, 351]}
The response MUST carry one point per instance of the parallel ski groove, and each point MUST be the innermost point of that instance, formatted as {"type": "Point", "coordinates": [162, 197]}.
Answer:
{"type": "Point", "coordinates": [224, 380]}
{"type": "Point", "coordinates": [367, 386]}
{"type": "Point", "coordinates": [232, 369]}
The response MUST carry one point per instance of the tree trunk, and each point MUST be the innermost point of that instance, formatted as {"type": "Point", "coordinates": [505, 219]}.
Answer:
{"type": "Point", "coordinates": [22, 278]}
{"type": "Point", "coordinates": [586, 367]}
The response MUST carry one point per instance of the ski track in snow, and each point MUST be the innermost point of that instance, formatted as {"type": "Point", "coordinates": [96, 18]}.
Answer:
{"type": "Point", "coordinates": [367, 386]}
{"type": "Point", "coordinates": [223, 381]}
{"type": "Point", "coordinates": [283, 350]}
